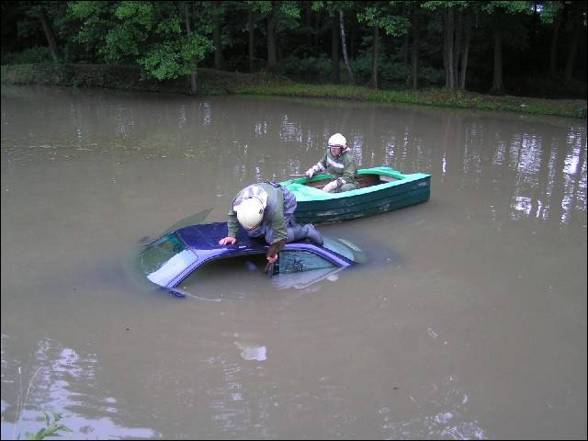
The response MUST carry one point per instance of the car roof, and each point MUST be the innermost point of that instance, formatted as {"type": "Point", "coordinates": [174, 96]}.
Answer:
{"type": "Point", "coordinates": [202, 240]}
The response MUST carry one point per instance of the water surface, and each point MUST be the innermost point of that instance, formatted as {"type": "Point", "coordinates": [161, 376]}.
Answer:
{"type": "Point", "coordinates": [467, 321]}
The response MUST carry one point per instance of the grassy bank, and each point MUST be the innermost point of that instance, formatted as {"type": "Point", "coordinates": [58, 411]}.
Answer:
{"type": "Point", "coordinates": [431, 97]}
{"type": "Point", "coordinates": [212, 82]}
{"type": "Point", "coordinates": [125, 77]}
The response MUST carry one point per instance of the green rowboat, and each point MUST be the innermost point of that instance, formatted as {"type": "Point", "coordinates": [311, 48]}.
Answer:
{"type": "Point", "coordinates": [381, 189]}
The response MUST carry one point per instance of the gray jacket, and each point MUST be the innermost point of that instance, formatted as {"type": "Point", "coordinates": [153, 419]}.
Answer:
{"type": "Point", "coordinates": [279, 203]}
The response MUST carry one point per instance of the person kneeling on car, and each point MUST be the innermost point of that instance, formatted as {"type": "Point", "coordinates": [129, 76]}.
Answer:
{"type": "Point", "coordinates": [266, 210]}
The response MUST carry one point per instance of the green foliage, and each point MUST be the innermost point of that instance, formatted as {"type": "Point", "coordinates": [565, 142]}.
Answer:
{"type": "Point", "coordinates": [332, 6]}
{"type": "Point", "coordinates": [311, 69]}
{"type": "Point", "coordinates": [382, 16]}
{"type": "Point", "coordinates": [141, 13]}
{"type": "Point", "coordinates": [121, 42]}
{"type": "Point", "coordinates": [147, 33]}
{"type": "Point", "coordinates": [430, 76]}
{"type": "Point", "coordinates": [548, 10]}
{"type": "Point", "coordinates": [287, 13]}
{"type": "Point", "coordinates": [393, 73]}
{"type": "Point", "coordinates": [153, 36]}
{"type": "Point", "coordinates": [93, 19]}
{"type": "Point", "coordinates": [290, 9]}
{"type": "Point", "coordinates": [53, 427]}
{"type": "Point", "coordinates": [434, 5]}
{"type": "Point", "coordinates": [511, 7]}
{"type": "Point", "coordinates": [261, 7]}
{"type": "Point", "coordinates": [172, 59]}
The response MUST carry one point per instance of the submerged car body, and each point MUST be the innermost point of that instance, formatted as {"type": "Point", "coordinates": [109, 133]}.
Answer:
{"type": "Point", "coordinates": [176, 255]}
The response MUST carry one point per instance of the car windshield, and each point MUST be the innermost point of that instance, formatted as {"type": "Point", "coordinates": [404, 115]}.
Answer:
{"type": "Point", "coordinates": [344, 248]}
{"type": "Point", "coordinates": [165, 259]}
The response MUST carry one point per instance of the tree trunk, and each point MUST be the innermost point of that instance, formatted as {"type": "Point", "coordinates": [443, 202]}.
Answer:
{"type": "Point", "coordinates": [414, 52]}
{"type": "Point", "coordinates": [569, 71]}
{"type": "Point", "coordinates": [553, 49]}
{"type": "Point", "coordinates": [497, 83]}
{"type": "Point", "coordinates": [250, 46]}
{"type": "Point", "coordinates": [457, 48]}
{"type": "Point", "coordinates": [404, 49]}
{"type": "Point", "coordinates": [272, 59]}
{"type": "Point", "coordinates": [466, 51]}
{"type": "Point", "coordinates": [375, 56]}
{"type": "Point", "coordinates": [216, 35]}
{"type": "Point", "coordinates": [280, 44]}
{"type": "Point", "coordinates": [352, 44]}
{"type": "Point", "coordinates": [335, 49]}
{"type": "Point", "coordinates": [448, 49]}
{"type": "Point", "coordinates": [193, 75]}
{"type": "Point", "coordinates": [49, 34]}
{"type": "Point", "coordinates": [308, 30]}
{"type": "Point", "coordinates": [344, 47]}
{"type": "Point", "coordinates": [316, 32]}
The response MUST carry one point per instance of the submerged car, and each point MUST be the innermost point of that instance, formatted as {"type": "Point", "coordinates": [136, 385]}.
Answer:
{"type": "Point", "coordinates": [176, 255]}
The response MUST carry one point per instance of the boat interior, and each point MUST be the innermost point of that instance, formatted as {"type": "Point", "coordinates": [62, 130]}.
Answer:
{"type": "Point", "coordinates": [366, 180]}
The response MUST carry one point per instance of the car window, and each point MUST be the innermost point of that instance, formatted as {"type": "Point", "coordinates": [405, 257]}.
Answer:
{"type": "Point", "coordinates": [295, 261]}
{"type": "Point", "coordinates": [344, 248]}
{"type": "Point", "coordinates": [165, 259]}
{"type": "Point", "coordinates": [302, 280]}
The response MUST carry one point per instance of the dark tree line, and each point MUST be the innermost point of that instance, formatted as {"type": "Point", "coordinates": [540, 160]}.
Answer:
{"type": "Point", "coordinates": [532, 47]}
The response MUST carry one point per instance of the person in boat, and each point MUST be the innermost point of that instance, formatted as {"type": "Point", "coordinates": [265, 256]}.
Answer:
{"type": "Point", "coordinates": [338, 161]}
{"type": "Point", "coordinates": [266, 210]}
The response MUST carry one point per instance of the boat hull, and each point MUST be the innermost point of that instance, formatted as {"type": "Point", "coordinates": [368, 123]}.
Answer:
{"type": "Point", "coordinates": [392, 190]}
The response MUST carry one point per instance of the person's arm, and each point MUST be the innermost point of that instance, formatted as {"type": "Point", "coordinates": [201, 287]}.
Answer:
{"type": "Point", "coordinates": [278, 222]}
{"type": "Point", "coordinates": [274, 249]}
{"type": "Point", "coordinates": [317, 168]}
{"type": "Point", "coordinates": [232, 223]}
{"type": "Point", "coordinates": [349, 170]}
{"type": "Point", "coordinates": [232, 228]}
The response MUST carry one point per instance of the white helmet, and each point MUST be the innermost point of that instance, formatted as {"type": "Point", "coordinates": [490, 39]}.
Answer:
{"type": "Point", "coordinates": [250, 213]}
{"type": "Point", "coordinates": [338, 140]}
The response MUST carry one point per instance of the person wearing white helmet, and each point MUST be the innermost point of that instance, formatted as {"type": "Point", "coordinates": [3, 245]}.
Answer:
{"type": "Point", "coordinates": [266, 210]}
{"type": "Point", "coordinates": [338, 161]}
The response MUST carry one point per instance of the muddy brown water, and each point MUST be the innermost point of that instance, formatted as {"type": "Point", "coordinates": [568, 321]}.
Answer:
{"type": "Point", "coordinates": [467, 321]}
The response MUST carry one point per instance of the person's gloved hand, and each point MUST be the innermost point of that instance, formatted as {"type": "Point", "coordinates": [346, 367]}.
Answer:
{"type": "Point", "coordinates": [310, 172]}
{"type": "Point", "coordinates": [331, 186]}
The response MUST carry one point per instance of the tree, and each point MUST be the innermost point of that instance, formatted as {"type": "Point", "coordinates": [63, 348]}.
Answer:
{"type": "Point", "coordinates": [577, 24]}
{"type": "Point", "coordinates": [251, 37]}
{"type": "Point", "coordinates": [39, 15]}
{"type": "Point", "coordinates": [415, 31]}
{"type": "Point", "coordinates": [503, 18]}
{"type": "Point", "coordinates": [218, 13]}
{"type": "Point", "coordinates": [335, 35]}
{"type": "Point", "coordinates": [280, 15]}
{"type": "Point", "coordinates": [552, 13]}
{"type": "Point", "coordinates": [456, 38]}
{"type": "Point", "coordinates": [336, 9]}
{"type": "Point", "coordinates": [49, 33]}
{"type": "Point", "coordinates": [378, 15]}
{"type": "Point", "coordinates": [147, 33]}
{"type": "Point", "coordinates": [193, 74]}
